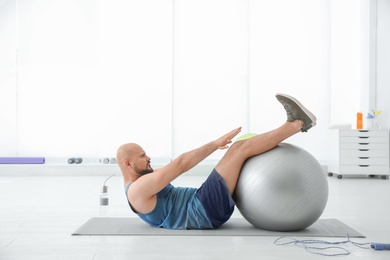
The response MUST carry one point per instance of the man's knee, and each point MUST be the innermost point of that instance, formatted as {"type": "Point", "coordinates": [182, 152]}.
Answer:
{"type": "Point", "coordinates": [238, 147]}
{"type": "Point", "coordinates": [233, 159]}
{"type": "Point", "coordinates": [236, 152]}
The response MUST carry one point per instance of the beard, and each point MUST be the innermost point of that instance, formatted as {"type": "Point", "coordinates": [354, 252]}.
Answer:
{"type": "Point", "coordinates": [146, 171]}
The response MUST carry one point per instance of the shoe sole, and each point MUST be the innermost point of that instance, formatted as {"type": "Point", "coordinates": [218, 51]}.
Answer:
{"type": "Point", "coordinates": [311, 116]}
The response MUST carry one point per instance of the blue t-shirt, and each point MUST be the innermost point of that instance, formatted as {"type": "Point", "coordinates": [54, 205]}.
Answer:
{"type": "Point", "coordinates": [176, 208]}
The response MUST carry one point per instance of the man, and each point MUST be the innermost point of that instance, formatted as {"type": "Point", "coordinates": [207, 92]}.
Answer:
{"type": "Point", "coordinates": [152, 197]}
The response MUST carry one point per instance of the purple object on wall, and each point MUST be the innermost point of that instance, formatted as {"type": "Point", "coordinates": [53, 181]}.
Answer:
{"type": "Point", "coordinates": [22, 160]}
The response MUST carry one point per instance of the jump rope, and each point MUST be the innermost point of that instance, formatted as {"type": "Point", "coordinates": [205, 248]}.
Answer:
{"type": "Point", "coordinates": [321, 247]}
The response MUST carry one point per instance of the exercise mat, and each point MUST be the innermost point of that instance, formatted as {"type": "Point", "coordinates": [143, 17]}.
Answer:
{"type": "Point", "coordinates": [22, 160]}
{"type": "Point", "coordinates": [234, 227]}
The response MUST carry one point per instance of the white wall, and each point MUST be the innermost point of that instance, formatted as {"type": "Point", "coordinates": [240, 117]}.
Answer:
{"type": "Point", "coordinates": [8, 77]}
{"type": "Point", "coordinates": [81, 77]}
{"type": "Point", "coordinates": [383, 62]}
{"type": "Point", "coordinates": [290, 53]}
{"type": "Point", "coordinates": [91, 75]}
{"type": "Point", "coordinates": [210, 71]}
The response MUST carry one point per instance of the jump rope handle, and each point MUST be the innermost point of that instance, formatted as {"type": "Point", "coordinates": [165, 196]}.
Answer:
{"type": "Point", "coordinates": [379, 246]}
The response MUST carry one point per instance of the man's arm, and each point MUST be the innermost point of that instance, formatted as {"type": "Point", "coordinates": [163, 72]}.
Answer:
{"type": "Point", "coordinates": [142, 192]}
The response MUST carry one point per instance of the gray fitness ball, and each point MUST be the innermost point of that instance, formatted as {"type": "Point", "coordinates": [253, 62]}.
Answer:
{"type": "Point", "coordinates": [284, 189]}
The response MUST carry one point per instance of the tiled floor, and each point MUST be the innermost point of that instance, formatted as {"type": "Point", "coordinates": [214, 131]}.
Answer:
{"type": "Point", "coordinates": [39, 213]}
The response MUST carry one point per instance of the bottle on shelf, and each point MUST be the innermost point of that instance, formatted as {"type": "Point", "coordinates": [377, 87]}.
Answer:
{"type": "Point", "coordinates": [359, 121]}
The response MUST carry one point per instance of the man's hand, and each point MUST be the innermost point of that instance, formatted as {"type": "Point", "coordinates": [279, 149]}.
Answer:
{"type": "Point", "coordinates": [224, 141]}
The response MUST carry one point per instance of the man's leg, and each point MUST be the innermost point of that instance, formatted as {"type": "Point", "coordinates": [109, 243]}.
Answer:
{"type": "Point", "coordinates": [298, 119]}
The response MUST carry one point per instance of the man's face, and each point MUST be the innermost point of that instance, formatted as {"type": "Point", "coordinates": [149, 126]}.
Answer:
{"type": "Point", "coordinates": [141, 163]}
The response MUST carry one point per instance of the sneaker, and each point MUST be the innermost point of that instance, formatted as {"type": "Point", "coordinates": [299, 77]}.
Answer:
{"type": "Point", "coordinates": [296, 111]}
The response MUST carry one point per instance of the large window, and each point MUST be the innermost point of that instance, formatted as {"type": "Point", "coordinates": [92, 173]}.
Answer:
{"type": "Point", "coordinates": [210, 70]}
{"type": "Point", "coordinates": [93, 75]}
{"type": "Point", "coordinates": [79, 78]}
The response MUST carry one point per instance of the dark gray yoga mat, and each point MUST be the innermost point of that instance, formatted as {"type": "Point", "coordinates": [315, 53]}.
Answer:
{"type": "Point", "coordinates": [234, 227]}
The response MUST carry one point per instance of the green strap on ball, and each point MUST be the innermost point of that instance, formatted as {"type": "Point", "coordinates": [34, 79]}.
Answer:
{"type": "Point", "coordinates": [245, 136]}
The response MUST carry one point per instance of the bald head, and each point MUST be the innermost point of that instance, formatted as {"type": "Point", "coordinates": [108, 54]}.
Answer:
{"type": "Point", "coordinates": [125, 152]}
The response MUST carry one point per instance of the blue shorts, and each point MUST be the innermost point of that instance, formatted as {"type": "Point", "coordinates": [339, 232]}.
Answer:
{"type": "Point", "coordinates": [216, 199]}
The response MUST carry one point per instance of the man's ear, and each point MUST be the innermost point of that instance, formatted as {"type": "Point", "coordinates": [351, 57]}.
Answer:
{"type": "Point", "coordinates": [128, 164]}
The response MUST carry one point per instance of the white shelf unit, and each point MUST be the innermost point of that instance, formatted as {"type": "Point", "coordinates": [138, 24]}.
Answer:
{"type": "Point", "coordinates": [364, 152]}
